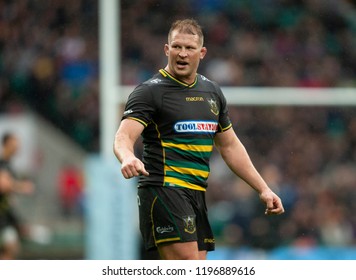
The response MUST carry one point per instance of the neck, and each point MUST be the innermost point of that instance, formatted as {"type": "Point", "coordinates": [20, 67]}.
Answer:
{"type": "Point", "coordinates": [185, 80]}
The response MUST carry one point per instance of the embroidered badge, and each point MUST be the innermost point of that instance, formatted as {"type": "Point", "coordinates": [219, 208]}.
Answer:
{"type": "Point", "coordinates": [213, 106]}
{"type": "Point", "coordinates": [189, 224]}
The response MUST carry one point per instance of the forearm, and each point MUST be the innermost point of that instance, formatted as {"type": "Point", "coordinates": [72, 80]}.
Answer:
{"type": "Point", "coordinates": [238, 160]}
{"type": "Point", "coordinates": [124, 142]}
{"type": "Point", "coordinates": [125, 138]}
{"type": "Point", "coordinates": [123, 147]}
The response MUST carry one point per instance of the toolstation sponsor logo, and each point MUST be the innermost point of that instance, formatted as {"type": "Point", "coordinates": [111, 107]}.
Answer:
{"type": "Point", "coordinates": [196, 126]}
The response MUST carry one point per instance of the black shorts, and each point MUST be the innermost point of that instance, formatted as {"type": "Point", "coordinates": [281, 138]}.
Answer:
{"type": "Point", "coordinates": [174, 215]}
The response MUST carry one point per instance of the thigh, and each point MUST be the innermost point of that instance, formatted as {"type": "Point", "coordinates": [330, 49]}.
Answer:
{"type": "Point", "coordinates": [181, 251]}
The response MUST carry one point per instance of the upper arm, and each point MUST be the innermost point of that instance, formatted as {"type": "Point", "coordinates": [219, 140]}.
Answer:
{"type": "Point", "coordinates": [125, 138]}
{"type": "Point", "coordinates": [229, 145]}
{"type": "Point", "coordinates": [129, 130]}
{"type": "Point", "coordinates": [225, 139]}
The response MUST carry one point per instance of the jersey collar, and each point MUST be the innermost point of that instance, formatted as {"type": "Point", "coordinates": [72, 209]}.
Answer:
{"type": "Point", "coordinates": [165, 74]}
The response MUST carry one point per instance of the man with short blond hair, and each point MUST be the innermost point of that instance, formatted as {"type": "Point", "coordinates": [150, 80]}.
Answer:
{"type": "Point", "coordinates": [181, 116]}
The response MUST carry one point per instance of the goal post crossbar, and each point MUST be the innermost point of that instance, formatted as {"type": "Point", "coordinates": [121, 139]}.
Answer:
{"type": "Point", "coordinates": [276, 96]}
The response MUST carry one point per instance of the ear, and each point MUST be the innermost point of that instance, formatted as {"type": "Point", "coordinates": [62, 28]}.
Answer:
{"type": "Point", "coordinates": [166, 49]}
{"type": "Point", "coordinates": [203, 52]}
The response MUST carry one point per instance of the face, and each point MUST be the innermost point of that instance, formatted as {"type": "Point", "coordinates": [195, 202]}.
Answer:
{"type": "Point", "coordinates": [12, 146]}
{"type": "Point", "coordinates": [184, 52]}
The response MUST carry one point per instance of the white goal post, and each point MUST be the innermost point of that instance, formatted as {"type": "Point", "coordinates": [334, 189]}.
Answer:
{"type": "Point", "coordinates": [275, 96]}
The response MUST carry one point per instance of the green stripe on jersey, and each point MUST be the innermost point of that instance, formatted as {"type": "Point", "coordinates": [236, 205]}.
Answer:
{"type": "Point", "coordinates": [186, 177]}
{"type": "Point", "coordinates": [187, 164]}
{"type": "Point", "coordinates": [187, 154]}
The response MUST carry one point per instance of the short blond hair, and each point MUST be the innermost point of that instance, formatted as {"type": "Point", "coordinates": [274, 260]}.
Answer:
{"type": "Point", "coordinates": [187, 26]}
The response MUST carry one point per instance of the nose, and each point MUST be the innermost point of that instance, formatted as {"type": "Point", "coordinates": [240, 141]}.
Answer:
{"type": "Point", "coordinates": [183, 53]}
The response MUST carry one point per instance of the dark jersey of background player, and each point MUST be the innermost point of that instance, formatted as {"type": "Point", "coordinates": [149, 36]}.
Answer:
{"type": "Point", "coordinates": [177, 146]}
{"type": "Point", "coordinates": [8, 217]}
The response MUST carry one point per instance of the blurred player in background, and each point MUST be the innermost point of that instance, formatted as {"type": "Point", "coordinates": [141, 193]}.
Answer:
{"type": "Point", "coordinates": [181, 116]}
{"type": "Point", "coordinates": [8, 221]}
{"type": "Point", "coordinates": [11, 228]}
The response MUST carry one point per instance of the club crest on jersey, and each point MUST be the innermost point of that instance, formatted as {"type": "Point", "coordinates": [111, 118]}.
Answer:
{"type": "Point", "coordinates": [213, 106]}
{"type": "Point", "coordinates": [156, 81]}
{"type": "Point", "coordinates": [189, 224]}
{"type": "Point", "coordinates": [196, 126]}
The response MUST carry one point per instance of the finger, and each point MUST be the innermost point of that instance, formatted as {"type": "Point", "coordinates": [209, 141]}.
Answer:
{"type": "Point", "coordinates": [136, 172]}
{"type": "Point", "coordinates": [141, 170]}
{"type": "Point", "coordinates": [144, 172]}
{"type": "Point", "coordinates": [131, 170]}
{"type": "Point", "coordinates": [269, 205]}
{"type": "Point", "coordinates": [125, 174]}
{"type": "Point", "coordinates": [275, 211]}
{"type": "Point", "coordinates": [278, 207]}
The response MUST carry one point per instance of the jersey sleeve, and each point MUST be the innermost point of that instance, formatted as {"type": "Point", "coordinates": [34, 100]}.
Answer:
{"type": "Point", "coordinates": [140, 105]}
{"type": "Point", "coordinates": [224, 119]}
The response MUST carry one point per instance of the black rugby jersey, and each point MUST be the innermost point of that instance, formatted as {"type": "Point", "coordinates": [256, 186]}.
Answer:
{"type": "Point", "coordinates": [180, 123]}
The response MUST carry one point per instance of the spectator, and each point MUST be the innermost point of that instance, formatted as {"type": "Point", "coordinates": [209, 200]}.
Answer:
{"type": "Point", "coordinates": [10, 225]}
{"type": "Point", "coordinates": [70, 183]}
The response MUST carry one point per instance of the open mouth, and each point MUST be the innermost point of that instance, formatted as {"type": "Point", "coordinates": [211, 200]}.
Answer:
{"type": "Point", "coordinates": [182, 63]}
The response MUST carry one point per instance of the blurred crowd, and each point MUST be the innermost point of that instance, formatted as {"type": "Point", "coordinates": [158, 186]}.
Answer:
{"type": "Point", "coordinates": [307, 155]}
{"type": "Point", "coordinates": [308, 43]}
{"type": "Point", "coordinates": [49, 61]}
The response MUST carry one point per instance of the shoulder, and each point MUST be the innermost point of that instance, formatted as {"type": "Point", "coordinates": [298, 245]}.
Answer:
{"type": "Point", "coordinates": [156, 81]}
{"type": "Point", "coordinates": [147, 93]}
{"type": "Point", "coordinates": [147, 86]}
{"type": "Point", "coordinates": [208, 84]}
